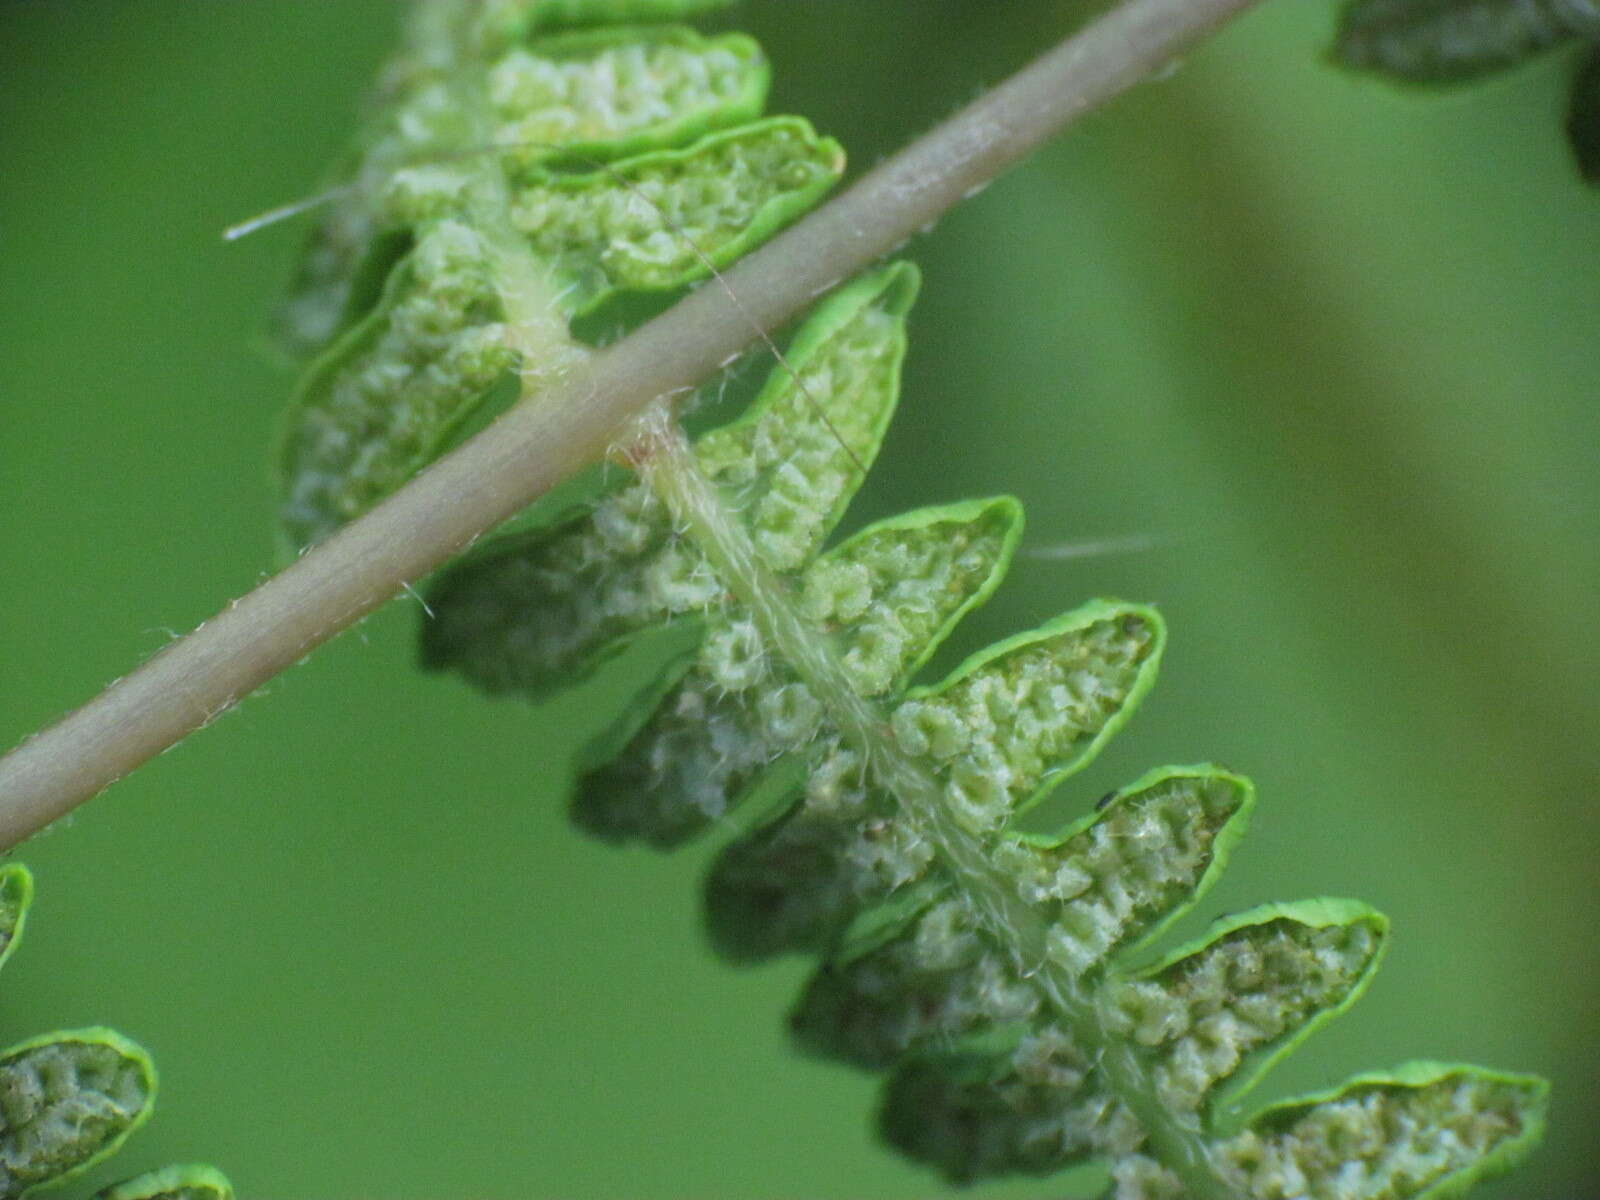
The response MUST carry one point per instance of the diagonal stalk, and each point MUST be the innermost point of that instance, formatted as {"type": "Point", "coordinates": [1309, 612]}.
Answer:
{"type": "Point", "coordinates": [535, 446]}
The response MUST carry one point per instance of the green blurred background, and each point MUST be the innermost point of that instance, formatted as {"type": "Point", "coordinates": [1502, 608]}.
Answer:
{"type": "Point", "coordinates": [1329, 345]}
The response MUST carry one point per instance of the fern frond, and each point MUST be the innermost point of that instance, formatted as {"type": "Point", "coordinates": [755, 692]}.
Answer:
{"type": "Point", "coordinates": [533, 612]}
{"type": "Point", "coordinates": [997, 735]}
{"type": "Point", "coordinates": [994, 975]}
{"type": "Point", "coordinates": [1014, 1042]}
{"type": "Point", "coordinates": [622, 161]}
{"type": "Point", "coordinates": [656, 87]}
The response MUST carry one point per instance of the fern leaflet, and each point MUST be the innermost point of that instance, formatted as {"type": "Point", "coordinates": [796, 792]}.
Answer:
{"type": "Point", "coordinates": [68, 1100]}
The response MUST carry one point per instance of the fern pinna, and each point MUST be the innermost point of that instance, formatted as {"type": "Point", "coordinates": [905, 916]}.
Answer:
{"type": "Point", "coordinates": [540, 163]}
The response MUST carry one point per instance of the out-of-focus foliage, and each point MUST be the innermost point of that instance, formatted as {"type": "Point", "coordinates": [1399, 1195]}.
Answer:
{"type": "Point", "coordinates": [1455, 41]}
{"type": "Point", "coordinates": [1325, 345]}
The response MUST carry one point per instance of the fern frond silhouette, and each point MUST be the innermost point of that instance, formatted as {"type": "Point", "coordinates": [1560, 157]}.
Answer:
{"type": "Point", "coordinates": [992, 974]}
{"type": "Point", "coordinates": [1449, 40]}
{"type": "Point", "coordinates": [1460, 41]}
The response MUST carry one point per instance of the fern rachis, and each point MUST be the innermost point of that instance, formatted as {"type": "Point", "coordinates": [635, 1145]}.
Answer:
{"type": "Point", "coordinates": [986, 969]}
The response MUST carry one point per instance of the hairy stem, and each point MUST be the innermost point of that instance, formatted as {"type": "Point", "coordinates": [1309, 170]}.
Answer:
{"type": "Point", "coordinates": [535, 446]}
{"type": "Point", "coordinates": [663, 457]}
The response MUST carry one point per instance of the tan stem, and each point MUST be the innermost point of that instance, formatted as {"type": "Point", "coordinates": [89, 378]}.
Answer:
{"type": "Point", "coordinates": [535, 446]}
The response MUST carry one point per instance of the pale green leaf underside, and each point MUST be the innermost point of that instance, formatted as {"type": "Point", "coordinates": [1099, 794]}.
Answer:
{"type": "Point", "coordinates": [996, 735]}
{"type": "Point", "coordinates": [651, 223]}
{"type": "Point", "coordinates": [194, 1181]}
{"type": "Point", "coordinates": [1424, 1131]}
{"type": "Point", "coordinates": [534, 611]}
{"type": "Point", "coordinates": [380, 404]}
{"type": "Point", "coordinates": [604, 94]}
{"type": "Point", "coordinates": [890, 595]}
{"type": "Point", "coordinates": [634, 164]}
{"type": "Point", "coordinates": [1108, 882]}
{"type": "Point", "coordinates": [591, 96]}
{"type": "Point", "coordinates": [1442, 41]}
{"type": "Point", "coordinates": [67, 1100]}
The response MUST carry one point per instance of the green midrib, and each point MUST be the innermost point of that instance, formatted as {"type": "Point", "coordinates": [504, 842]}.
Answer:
{"type": "Point", "coordinates": [665, 461]}
{"type": "Point", "coordinates": [535, 327]}
{"type": "Point", "coordinates": [671, 470]}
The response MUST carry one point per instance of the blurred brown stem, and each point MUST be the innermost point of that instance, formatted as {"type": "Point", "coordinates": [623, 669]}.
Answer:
{"type": "Point", "coordinates": [535, 446]}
